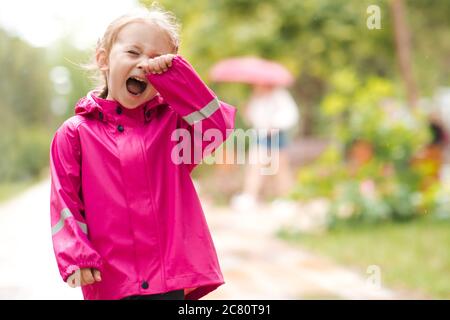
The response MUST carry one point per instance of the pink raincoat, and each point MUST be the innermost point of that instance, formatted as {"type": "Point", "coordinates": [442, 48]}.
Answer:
{"type": "Point", "coordinates": [121, 204]}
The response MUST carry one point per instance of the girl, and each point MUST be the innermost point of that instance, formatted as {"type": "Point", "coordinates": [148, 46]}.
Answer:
{"type": "Point", "coordinates": [126, 219]}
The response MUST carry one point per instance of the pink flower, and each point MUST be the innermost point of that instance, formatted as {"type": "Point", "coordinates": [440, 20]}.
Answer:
{"type": "Point", "coordinates": [367, 188]}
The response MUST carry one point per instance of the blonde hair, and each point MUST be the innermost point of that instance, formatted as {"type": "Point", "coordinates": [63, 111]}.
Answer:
{"type": "Point", "coordinates": [166, 20]}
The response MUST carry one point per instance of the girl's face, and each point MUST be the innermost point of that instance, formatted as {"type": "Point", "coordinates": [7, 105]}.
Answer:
{"type": "Point", "coordinates": [135, 43]}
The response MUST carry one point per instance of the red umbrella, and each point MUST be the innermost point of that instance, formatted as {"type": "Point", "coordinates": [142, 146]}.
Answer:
{"type": "Point", "coordinates": [251, 70]}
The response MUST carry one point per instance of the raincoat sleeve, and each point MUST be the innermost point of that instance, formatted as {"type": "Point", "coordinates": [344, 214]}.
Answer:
{"type": "Point", "coordinates": [72, 248]}
{"type": "Point", "coordinates": [208, 120]}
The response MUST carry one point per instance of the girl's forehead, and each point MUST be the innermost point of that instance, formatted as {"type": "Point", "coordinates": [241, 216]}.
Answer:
{"type": "Point", "coordinates": [146, 35]}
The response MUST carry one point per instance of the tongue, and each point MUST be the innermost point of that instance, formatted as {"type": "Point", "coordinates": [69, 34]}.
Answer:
{"type": "Point", "coordinates": [134, 86]}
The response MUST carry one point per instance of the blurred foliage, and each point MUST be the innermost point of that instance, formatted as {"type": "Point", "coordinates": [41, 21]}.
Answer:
{"type": "Point", "coordinates": [27, 120]}
{"type": "Point", "coordinates": [29, 154]}
{"type": "Point", "coordinates": [65, 55]}
{"type": "Point", "coordinates": [347, 84]}
{"type": "Point", "coordinates": [366, 111]}
{"type": "Point", "coordinates": [368, 172]}
{"type": "Point", "coordinates": [25, 92]}
{"type": "Point", "coordinates": [23, 89]}
{"type": "Point", "coordinates": [313, 38]}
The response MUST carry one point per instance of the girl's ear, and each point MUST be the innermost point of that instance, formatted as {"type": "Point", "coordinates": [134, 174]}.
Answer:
{"type": "Point", "coordinates": [102, 59]}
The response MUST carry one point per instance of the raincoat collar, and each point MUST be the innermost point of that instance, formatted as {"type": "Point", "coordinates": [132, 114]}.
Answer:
{"type": "Point", "coordinates": [109, 110]}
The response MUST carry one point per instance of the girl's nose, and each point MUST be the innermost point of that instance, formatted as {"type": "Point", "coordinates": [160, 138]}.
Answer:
{"type": "Point", "coordinates": [142, 65]}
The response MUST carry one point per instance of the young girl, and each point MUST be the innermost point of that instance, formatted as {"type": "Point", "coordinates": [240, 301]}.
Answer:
{"type": "Point", "coordinates": [126, 219]}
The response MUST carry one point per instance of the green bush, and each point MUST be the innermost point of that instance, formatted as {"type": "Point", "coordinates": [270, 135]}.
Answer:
{"type": "Point", "coordinates": [25, 153]}
{"type": "Point", "coordinates": [384, 187]}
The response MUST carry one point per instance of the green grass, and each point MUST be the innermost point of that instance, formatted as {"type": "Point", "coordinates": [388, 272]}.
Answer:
{"type": "Point", "coordinates": [8, 190]}
{"type": "Point", "coordinates": [413, 256]}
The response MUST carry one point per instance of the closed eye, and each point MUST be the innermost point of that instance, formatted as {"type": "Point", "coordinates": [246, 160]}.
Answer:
{"type": "Point", "coordinates": [132, 52]}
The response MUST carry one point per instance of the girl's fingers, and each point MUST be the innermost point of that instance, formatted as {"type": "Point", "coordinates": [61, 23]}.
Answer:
{"type": "Point", "coordinates": [162, 65]}
{"type": "Point", "coordinates": [97, 275]}
{"type": "Point", "coordinates": [87, 276]}
{"type": "Point", "coordinates": [169, 58]}
{"type": "Point", "coordinates": [72, 281]}
{"type": "Point", "coordinates": [151, 66]}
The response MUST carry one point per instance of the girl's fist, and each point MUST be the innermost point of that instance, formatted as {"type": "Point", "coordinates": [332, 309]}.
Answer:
{"type": "Point", "coordinates": [159, 64]}
{"type": "Point", "coordinates": [83, 277]}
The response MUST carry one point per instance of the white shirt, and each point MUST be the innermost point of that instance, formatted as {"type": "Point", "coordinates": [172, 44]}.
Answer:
{"type": "Point", "coordinates": [273, 110]}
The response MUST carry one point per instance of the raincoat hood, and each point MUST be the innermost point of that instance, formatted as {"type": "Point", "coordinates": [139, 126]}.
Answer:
{"type": "Point", "coordinates": [94, 106]}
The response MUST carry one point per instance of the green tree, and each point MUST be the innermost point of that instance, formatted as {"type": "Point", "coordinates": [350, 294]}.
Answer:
{"type": "Point", "coordinates": [315, 39]}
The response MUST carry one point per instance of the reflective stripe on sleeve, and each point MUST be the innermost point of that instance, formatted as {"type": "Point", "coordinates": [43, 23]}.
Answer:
{"type": "Point", "coordinates": [203, 113]}
{"type": "Point", "coordinates": [65, 213]}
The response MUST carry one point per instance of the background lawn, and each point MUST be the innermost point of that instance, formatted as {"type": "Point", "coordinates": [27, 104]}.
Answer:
{"type": "Point", "coordinates": [8, 190]}
{"type": "Point", "coordinates": [414, 256]}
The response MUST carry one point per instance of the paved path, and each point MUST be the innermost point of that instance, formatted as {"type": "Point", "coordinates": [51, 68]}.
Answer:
{"type": "Point", "coordinates": [255, 264]}
{"type": "Point", "coordinates": [27, 263]}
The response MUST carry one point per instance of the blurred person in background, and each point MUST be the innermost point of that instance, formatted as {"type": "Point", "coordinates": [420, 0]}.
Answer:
{"type": "Point", "coordinates": [272, 110]}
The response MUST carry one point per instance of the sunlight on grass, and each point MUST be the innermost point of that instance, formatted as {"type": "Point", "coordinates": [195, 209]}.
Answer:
{"type": "Point", "coordinates": [414, 256]}
{"type": "Point", "coordinates": [9, 190]}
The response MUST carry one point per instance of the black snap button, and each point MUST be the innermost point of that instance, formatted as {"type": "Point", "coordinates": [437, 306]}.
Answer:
{"type": "Point", "coordinates": [100, 115]}
{"type": "Point", "coordinates": [120, 128]}
{"type": "Point", "coordinates": [144, 285]}
{"type": "Point", "coordinates": [148, 113]}
{"type": "Point", "coordinates": [119, 110]}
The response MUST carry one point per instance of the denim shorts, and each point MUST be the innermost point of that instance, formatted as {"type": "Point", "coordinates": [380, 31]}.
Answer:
{"type": "Point", "coordinates": [270, 141]}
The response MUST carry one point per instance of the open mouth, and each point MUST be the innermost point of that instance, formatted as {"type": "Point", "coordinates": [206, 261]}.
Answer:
{"type": "Point", "coordinates": [136, 86]}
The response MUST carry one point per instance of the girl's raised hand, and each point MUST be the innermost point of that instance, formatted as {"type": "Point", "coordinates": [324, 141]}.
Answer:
{"type": "Point", "coordinates": [159, 64]}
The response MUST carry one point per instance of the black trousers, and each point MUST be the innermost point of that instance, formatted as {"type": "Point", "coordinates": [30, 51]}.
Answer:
{"type": "Point", "coordinates": [171, 295]}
